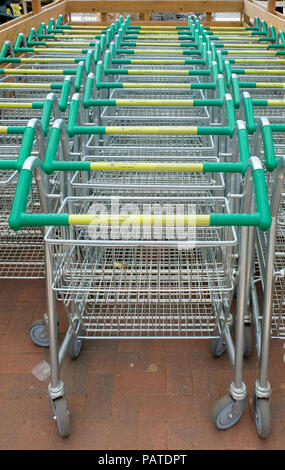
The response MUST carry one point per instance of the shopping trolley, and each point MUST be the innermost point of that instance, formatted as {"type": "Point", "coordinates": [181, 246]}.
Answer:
{"type": "Point", "coordinates": [59, 26]}
{"type": "Point", "coordinates": [269, 323]}
{"type": "Point", "coordinates": [8, 56]}
{"type": "Point", "coordinates": [22, 253]}
{"type": "Point", "coordinates": [14, 117]}
{"type": "Point", "coordinates": [197, 141]}
{"type": "Point", "coordinates": [119, 286]}
{"type": "Point", "coordinates": [44, 52]}
{"type": "Point", "coordinates": [266, 88]}
{"type": "Point", "coordinates": [52, 71]}
{"type": "Point", "coordinates": [243, 51]}
{"type": "Point", "coordinates": [137, 88]}
{"type": "Point", "coordinates": [165, 104]}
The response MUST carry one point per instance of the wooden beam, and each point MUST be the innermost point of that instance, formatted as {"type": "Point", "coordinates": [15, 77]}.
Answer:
{"type": "Point", "coordinates": [271, 5]}
{"type": "Point", "coordinates": [36, 6]}
{"type": "Point", "coordinates": [209, 16]}
{"type": "Point", "coordinates": [149, 6]}
{"type": "Point", "coordinates": [252, 9]}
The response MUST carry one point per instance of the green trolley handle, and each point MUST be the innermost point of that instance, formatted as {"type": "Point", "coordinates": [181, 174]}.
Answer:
{"type": "Point", "coordinates": [76, 107]}
{"type": "Point", "coordinates": [19, 218]}
{"type": "Point", "coordinates": [58, 136]}
{"type": "Point", "coordinates": [266, 130]}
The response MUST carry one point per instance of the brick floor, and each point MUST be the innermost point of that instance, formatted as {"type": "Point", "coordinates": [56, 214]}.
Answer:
{"type": "Point", "coordinates": [126, 394]}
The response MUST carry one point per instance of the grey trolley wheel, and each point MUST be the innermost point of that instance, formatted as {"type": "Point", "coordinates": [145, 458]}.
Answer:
{"type": "Point", "coordinates": [76, 344]}
{"type": "Point", "coordinates": [217, 346]}
{"type": "Point", "coordinates": [262, 416]}
{"type": "Point", "coordinates": [248, 344]}
{"type": "Point", "coordinates": [225, 414]}
{"type": "Point", "coordinates": [61, 415]}
{"type": "Point", "coordinates": [75, 347]}
{"type": "Point", "coordinates": [39, 333]}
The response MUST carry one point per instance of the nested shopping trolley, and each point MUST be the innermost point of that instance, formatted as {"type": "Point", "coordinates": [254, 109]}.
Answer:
{"type": "Point", "coordinates": [102, 143]}
{"type": "Point", "coordinates": [22, 253]}
{"type": "Point", "coordinates": [268, 284]}
{"type": "Point", "coordinates": [152, 105]}
{"type": "Point", "coordinates": [148, 267]}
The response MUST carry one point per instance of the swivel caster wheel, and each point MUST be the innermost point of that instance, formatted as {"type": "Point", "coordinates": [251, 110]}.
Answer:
{"type": "Point", "coordinates": [76, 344]}
{"type": "Point", "coordinates": [61, 415]}
{"type": "Point", "coordinates": [227, 412]}
{"type": "Point", "coordinates": [75, 347]}
{"type": "Point", "coordinates": [217, 346]}
{"type": "Point", "coordinates": [262, 416]}
{"type": "Point", "coordinates": [248, 343]}
{"type": "Point", "coordinates": [39, 333]}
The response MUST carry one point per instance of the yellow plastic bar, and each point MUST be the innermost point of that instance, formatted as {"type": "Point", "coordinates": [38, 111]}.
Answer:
{"type": "Point", "coordinates": [156, 85]}
{"type": "Point", "coordinates": [252, 52]}
{"type": "Point", "coordinates": [238, 38]}
{"type": "Point", "coordinates": [159, 61]}
{"type": "Point", "coordinates": [25, 85]}
{"type": "Point", "coordinates": [276, 102]}
{"type": "Point", "coordinates": [44, 49]}
{"type": "Point", "coordinates": [255, 46]}
{"type": "Point", "coordinates": [159, 51]}
{"type": "Point", "coordinates": [229, 33]}
{"type": "Point", "coordinates": [270, 85]}
{"type": "Point", "coordinates": [260, 61]}
{"type": "Point", "coordinates": [91, 27]}
{"type": "Point", "coordinates": [75, 36]}
{"type": "Point", "coordinates": [151, 130]}
{"type": "Point", "coordinates": [156, 27]}
{"type": "Point", "coordinates": [48, 60]}
{"type": "Point", "coordinates": [32, 71]}
{"type": "Point", "coordinates": [16, 105]}
{"type": "Point", "coordinates": [3, 129]}
{"type": "Point", "coordinates": [231, 28]}
{"type": "Point", "coordinates": [66, 43]}
{"type": "Point", "coordinates": [168, 44]}
{"type": "Point", "coordinates": [157, 36]}
{"type": "Point", "coordinates": [265, 71]}
{"type": "Point", "coordinates": [154, 102]}
{"type": "Point", "coordinates": [140, 219]}
{"type": "Point", "coordinates": [146, 166]}
{"type": "Point", "coordinates": [156, 72]}
{"type": "Point", "coordinates": [147, 31]}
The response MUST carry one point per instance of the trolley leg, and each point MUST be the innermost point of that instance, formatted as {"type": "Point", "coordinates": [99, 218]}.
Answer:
{"type": "Point", "coordinates": [238, 389]}
{"type": "Point", "coordinates": [262, 389]}
{"type": "Point", "coordinates": [229, 409]}
{"type": "Point", "coordinates": [56, 386]}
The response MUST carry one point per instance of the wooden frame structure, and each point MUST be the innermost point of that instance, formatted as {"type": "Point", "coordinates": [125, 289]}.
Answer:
{"type": "Point", "coordinates": [248, 10]}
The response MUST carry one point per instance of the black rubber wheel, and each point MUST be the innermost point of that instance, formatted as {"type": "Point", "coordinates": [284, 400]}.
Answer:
{"type": "Point", "coordinates": [262, 416]}
{"type": "Point", "coordinates": [222, 414]}
{"type": "Point", "coordinates": [39, 333]}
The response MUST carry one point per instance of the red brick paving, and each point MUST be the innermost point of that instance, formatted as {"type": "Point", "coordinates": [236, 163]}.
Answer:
{"type": "Point", "coordinates": [126, 394]}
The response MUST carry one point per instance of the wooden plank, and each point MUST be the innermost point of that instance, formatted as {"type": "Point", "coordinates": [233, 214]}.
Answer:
{"type": "Point", "coordinates": [252, 10]}
{"type": "Point", "coordinates": [149, 6]}
{"type": "Point", "coordinates": [159, 23]}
